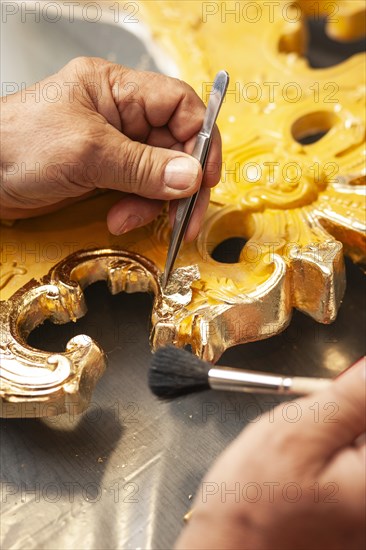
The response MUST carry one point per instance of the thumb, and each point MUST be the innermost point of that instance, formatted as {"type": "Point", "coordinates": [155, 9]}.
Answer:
{"type": "Point", "coordinates": [152, 172]}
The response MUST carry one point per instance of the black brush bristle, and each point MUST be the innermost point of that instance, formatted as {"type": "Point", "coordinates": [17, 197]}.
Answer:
{"type": "Point", "coordinates": [175, 371]}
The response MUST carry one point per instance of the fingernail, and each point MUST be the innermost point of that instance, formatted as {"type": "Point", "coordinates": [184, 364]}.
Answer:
{"type": "Point", "coordinates": [181, 173]}
{"type": "Point", "coordinates": [131, 223]}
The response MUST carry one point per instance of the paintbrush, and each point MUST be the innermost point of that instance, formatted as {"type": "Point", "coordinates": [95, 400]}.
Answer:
{"type": "Point", "coordinates": [175, 371]}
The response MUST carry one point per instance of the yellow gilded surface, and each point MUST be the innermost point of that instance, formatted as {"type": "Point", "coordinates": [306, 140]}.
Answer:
{"type": "Point", "coordinates": [299, 207]}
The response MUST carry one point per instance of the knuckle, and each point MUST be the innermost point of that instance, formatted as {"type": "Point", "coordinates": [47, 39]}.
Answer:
{"type": "Point", "coordinates": [189, 92]}
{"type": "Point", "coordinates": [79, 64]}
{"type": "Point", "coordinates": [84, 66]}
{"type": "Point", "coordinates": [190, 96]}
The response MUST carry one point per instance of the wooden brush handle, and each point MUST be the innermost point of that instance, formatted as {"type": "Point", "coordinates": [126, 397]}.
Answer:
{"type": "Point", "coordinates": [302, 385]}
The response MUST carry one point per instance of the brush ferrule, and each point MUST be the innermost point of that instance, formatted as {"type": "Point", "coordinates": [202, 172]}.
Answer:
{"type": "Point", "coordinates": [226, 378]}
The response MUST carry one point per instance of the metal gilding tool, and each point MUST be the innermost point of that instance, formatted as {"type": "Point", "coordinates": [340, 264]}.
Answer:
{"type": "Point", "coordinates": [200, 152]}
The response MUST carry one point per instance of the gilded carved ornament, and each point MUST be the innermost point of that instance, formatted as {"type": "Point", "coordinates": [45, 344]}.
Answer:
{"type": "Point", "coordinates": [299, 207]}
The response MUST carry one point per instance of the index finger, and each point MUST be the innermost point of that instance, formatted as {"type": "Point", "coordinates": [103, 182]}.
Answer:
{"type": "Point", "coordinates": [172, 103]}
{"type": "Point", "coordinates": [183, 111]}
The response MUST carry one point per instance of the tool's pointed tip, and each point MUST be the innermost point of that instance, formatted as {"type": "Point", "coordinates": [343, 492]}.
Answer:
{"type": "Point", "coordinates": [164, 280]}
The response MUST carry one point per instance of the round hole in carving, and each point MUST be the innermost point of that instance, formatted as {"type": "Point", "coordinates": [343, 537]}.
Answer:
{"type": "Point", "coordinates": [311, 127]}
{"type": "Point", "coordinates": [228, 251]}
{"type": "Point", "coordinates": [226, 236]}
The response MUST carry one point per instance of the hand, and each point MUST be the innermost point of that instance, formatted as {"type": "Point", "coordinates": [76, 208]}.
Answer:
{"type": "Point", "coordinates": [297, 485]}
{"type": "Point", "coordinates": [98, 125]}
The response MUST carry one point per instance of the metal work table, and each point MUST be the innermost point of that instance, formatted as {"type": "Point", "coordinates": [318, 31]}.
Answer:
{"type": "Point", "coordinates": [122, 474]}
